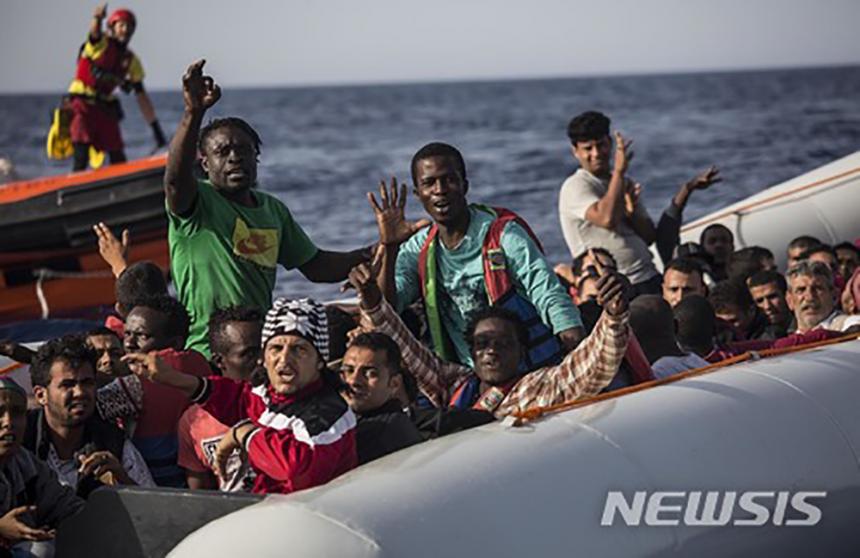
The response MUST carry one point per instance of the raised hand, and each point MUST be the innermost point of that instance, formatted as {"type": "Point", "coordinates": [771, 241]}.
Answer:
{"type": "Point", "coordinates": [199, 91]}
{"type": "Point", "coordinates": [611, 295]}
{"type": "Point", "coordinates": [112, 250]}
{"type": "Point", "coordinates": [100, 12]}
{"type": "Point", "coordinates": [363, 278]}
{"type": "Point", "coordinates": [623, 153]}
{"type": "Point", "coordinates": [705, 179]}
{"type": "Point", "coordinates": [631, 197]}
{"type": "Point", "coordinates": [394, 229]}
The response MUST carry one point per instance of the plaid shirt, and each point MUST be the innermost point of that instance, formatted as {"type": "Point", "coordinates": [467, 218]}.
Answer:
{"type": "Point", "coordinates": [584, 371]}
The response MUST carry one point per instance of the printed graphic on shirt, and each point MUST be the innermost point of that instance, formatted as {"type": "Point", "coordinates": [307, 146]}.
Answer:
{"type": "Point", "coordinates": [257, 245]}
{"type": "Point", "coordinates": [239, 476]}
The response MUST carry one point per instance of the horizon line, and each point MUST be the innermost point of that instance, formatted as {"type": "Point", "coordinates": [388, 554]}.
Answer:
{"type": "Point", "coordinates": [493, 79]}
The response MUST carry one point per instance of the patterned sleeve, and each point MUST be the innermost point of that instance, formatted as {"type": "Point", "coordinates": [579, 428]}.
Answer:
{"type": "Point", "coordinates": [135, 466]}
{"type": "Point", "coordinates": [436, 377]}
{"type": "Point", "coordinates": [122, 397]}
{"type": "Point", "coordinates": [584, 372]}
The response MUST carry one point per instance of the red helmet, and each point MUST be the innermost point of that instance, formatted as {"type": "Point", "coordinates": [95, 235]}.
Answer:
{"type": "Point", "coordinates": [122, 15]}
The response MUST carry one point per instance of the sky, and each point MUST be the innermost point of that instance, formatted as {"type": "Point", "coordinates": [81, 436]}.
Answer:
{"type": "Point", "coordinates": [320, 42]}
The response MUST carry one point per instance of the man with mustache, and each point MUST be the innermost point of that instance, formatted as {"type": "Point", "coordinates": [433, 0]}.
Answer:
{"type": "Point", "coordinates": [66, 432]}
{"type": "Point", "coordinates": [811, 297]}
{"type": "Point", "coordinates": [226, 237]}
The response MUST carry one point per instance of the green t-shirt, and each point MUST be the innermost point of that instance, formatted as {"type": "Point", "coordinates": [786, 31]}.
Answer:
{"type": "Point", "coordinates": [224, 254]}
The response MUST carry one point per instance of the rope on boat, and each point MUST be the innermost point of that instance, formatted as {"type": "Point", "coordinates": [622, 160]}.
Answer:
{"type": "Point", "coordinates": [43, 273]}
{"type": "Point", "coordinates": [745, 208]}
{"type": "Point", "coordinates": [534, 413]}
{"type": "Point", "coordinates": [10, 368]}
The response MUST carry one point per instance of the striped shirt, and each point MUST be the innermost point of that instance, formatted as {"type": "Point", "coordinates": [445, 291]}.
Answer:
{"type": "Point", "coordinates": [584, 372]}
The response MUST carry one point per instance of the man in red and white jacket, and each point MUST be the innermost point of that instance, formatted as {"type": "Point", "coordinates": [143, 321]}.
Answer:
{"type": "Point", "coordinates": [296, 431]}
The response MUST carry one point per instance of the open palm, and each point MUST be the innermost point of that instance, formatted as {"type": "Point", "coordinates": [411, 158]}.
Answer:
{"type": "Point", "coordinates": [390, 215]}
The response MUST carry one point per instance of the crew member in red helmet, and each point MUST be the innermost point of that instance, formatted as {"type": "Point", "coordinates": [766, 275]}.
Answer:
{"type": "Point", "coordinates": [104, 63]}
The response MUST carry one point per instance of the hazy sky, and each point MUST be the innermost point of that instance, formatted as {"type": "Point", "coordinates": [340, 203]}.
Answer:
{"type": "Point", "coordinates": [291, 42]}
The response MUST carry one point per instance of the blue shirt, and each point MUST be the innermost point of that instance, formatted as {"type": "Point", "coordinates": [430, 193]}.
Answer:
{"type": "Point", "coordinates": [462, 289]}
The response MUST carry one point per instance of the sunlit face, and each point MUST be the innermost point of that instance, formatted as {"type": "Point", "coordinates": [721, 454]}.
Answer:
{"type": "Point", "coordinates": [146, 330]}
{"type": "Point", "coordinates": [69, 398]}
{"type": "Point", "coordinates": [292, 362]}
{"type": "Point", "coordinates": [369, 377]}
{"type": "Point", "coordinates": [13, 422]}
{"type": "Point", "coordinates": [496, 351]}
{"type": "Point", "coordinates": [593, 155]}
{"type": "Point", "coordinates": [441, 189]}
{"type": "Point", "coordinates": [770, 300]}
{"type": "Point", "coordinates": [810, 298]}
{"type": "Point", "coordinates": [229, 159]}
{"type": "Point", "coordinates": [677, 285]}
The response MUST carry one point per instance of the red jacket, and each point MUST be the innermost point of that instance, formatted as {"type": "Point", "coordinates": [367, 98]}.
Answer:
{"type": "Point", "coordinates": [302, 440]}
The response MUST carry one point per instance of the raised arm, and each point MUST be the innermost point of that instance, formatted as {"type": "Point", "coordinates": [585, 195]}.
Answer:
{"type": "Point", "coordinates": [435, 376]}
{"type": "Point", "coordinates": [609, 210]}
{"type": "Point", "coordinates": [199, 92]}
{"type": "Point", "coordinates": [96, 23]}
{"type": "Point", "coordinates": [669, 226]}
{"type": "Point", "coordinates": [639, 220]}
{"type": "Point", "coordinates": [587, 369]}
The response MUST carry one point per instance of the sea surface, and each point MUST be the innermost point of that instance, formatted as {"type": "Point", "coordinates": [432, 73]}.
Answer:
{"type": "Point", "coordinates": [324, 148]}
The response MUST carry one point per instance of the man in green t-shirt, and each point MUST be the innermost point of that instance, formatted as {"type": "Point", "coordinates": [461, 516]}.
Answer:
{"type": "Point", "coordinates": [226, 237]}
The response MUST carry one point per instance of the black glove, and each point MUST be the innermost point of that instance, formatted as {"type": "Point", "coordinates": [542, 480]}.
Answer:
{"type": "Point", "coordinates": [158, 134]}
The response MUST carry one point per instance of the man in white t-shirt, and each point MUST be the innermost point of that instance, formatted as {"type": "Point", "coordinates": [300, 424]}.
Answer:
{"type": "Point", "coordinates": [599, 206]}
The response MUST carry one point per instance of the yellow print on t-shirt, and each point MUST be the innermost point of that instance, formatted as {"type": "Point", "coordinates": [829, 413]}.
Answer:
{"type": "Point", "coordinates": [257, 245]}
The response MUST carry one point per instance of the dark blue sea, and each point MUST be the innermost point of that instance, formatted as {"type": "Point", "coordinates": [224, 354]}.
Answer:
{"type": "Point", "coordinates": [325, 147]}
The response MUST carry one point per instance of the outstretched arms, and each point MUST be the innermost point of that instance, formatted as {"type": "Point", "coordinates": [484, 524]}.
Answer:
{"type": "Point", "coordinates": [199, 93]}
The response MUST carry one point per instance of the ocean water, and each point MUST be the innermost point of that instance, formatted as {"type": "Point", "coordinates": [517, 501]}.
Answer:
{"type": "Point", "coordinates": [324, 148]}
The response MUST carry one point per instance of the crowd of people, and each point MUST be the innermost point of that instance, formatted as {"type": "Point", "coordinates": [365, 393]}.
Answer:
{"type": "Point", "coordinates": [460, 321]}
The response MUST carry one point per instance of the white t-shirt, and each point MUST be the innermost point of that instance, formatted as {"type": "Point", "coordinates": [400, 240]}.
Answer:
{"type": "Point", "coordinates": [838, 321]}
{"type": "Point", "coordinates": [579, 192]}
{"type": "Point", "coordinates": [670, 365]}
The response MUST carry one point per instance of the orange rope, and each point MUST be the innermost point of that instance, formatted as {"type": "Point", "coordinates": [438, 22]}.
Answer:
{"type": "Point", "coordinates": [751, 205]}
{"type": "Point", "coordinates": [10, 368]}
{"type": "Point", "coordinates": [534, 413]}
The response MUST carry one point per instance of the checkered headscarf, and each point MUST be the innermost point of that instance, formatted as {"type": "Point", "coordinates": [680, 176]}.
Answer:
{"type": "Point", "coordinates": [304, 316]}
